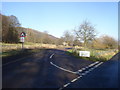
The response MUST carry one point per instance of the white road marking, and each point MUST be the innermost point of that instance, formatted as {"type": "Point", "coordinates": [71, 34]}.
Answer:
{"type": "Point", "coordinates": [51, 55]}
{"type": "Point", "coordinates": [79, 77]}
{"type": "Point", "coordinates": [98, 64]}
{"type": "Point", "coordinates": [83, 69]}
{"type": "Point", "coordinates": [93, 64]}
{"type": "Point", "coordinates": [92, 68]}
{"type": "Point", "coordinates": [66, 85]}
{"type": "Point", "coordinates": [74, 80]}
{"type": "Point", "coordinates": [61, 88]}
{"type": "Point", "coordinates": [69, 83]}
{"type": "Point", "coordinates": [20, 59]}
{"type": "Point", "coordinates": [80, 70]}
{"type": "Point", "coordinates": [83, 73]}
{"type": "Point", "coordinates": [63, 68]}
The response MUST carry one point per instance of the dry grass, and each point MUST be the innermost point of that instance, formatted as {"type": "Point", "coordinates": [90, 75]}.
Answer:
{"type": "Point", "coordinates": [7, 47]}
{"type": "Point", "coordinates": [96, 55]}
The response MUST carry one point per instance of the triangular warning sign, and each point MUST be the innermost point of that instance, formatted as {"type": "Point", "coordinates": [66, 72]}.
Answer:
{"type": "Point", "coordinates": [22, 34]}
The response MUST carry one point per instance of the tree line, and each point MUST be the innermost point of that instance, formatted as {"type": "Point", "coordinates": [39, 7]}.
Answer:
{"type": "Point", "coordinates": [11, 30]}
{"type": "Point", "coordinates": [84, 35]}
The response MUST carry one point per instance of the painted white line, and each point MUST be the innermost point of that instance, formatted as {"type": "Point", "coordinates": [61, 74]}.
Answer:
{"type": "Point", "coordinates": [74, 80]}
{"type": "Point", "coordinates": [93, 64]}
{"type": "Point", "coordinates": [80, 70]}
{"type": "Point", "coordinates": [83, 68]}
{"type": "Point", "coordinates": [66, 85]}
{"type": "Point", "coordinates": [70, 82]}
{"type": "Point", "coordinates": [79, 77]}
{"type": "Point", "coordinates": [92, 68]}
{"type": "Point", "coordinates": [63, 68]}
{"type": "Point", "coordinates": [83, 73]}
{"type": "Point", "coordinates": [60, 88]}
{"type": "Point", "coordinates": [77, 71]}
{"type": "Point", "coordinates": [98, 64]}
{"type": "Point", "coordinates": [86, 67]}
{"type": "Point", "coordinates": [51, 55]}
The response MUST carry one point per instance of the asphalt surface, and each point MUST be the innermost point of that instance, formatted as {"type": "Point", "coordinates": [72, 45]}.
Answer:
{"type": "Point", "coordinates": [104, 76]}
{"type": "Point", "coordinates": [55, 69]}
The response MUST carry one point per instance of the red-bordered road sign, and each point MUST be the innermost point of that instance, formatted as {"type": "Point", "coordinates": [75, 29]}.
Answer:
{"type": "Point", "coordinates": [23, 34]}
{"type": "Point", "coordinates": [22, 39]}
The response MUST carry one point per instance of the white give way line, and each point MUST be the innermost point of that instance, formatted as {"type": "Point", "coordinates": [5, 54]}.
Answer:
{"type": "Point", "coordinates": [61, 67]}
{"type": "Point", "coordinates": [51, 55]}
{"type": "Point", "coordinates": [77, 72]}
{"type": "Point", "coordinates": [95, 64]}
{"type": "Point", "coordinates": [79, 76]}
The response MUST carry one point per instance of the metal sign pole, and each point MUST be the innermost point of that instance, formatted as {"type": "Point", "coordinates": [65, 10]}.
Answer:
{"type": "Point", "coordinates": [22, 44]}
{"type": "Point", "coordinates": [22, 37]}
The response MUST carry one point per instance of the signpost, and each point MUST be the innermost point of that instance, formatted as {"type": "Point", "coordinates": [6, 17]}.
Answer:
{"type": "Point", "coordinates": [84, 53]}
{"type": "Point", "coordinates": [22, 38]}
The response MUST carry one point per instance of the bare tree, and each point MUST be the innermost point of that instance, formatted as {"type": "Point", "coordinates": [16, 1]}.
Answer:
{"type": "Point", "coordinates": [105, 42]}
{"type": "Point", "coordinates": [68, 37]}
{"type": "Point", "coordinates": [9, 25]}
{"type": "Point", "coordinates": [86, 32]}
{"type": "Point", "coordinates": [13, 21]}
{"type": "Point", "coordinates": [109, 42]}
{"type": "Point", "coordinates": [77, 42]}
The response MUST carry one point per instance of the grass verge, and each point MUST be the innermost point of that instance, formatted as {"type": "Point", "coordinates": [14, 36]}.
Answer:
{"type": "Point", "coordinates": [16, 54]}
{"type": "Point", "coordinates": [95, 55]}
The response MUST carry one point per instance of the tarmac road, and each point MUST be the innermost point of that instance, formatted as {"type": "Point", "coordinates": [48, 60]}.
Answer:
{"type": "Point", "coordinates": [50, 68]}
{"type": "Point", "coordinates": [105, 76]}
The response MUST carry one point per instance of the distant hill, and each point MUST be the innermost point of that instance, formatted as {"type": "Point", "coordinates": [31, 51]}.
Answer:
{"type": "Point", "coordinates": [37, 36]}
{"type": "Point", "coordinates": [11, 29]}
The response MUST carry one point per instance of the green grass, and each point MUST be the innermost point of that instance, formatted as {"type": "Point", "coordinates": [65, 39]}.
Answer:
{"type": "Point", "coordinates": [9, 53]}
{"type": "Point", "coordinates": [95, 55]}
{"type": "Point", "coordinates": [19, 52]}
